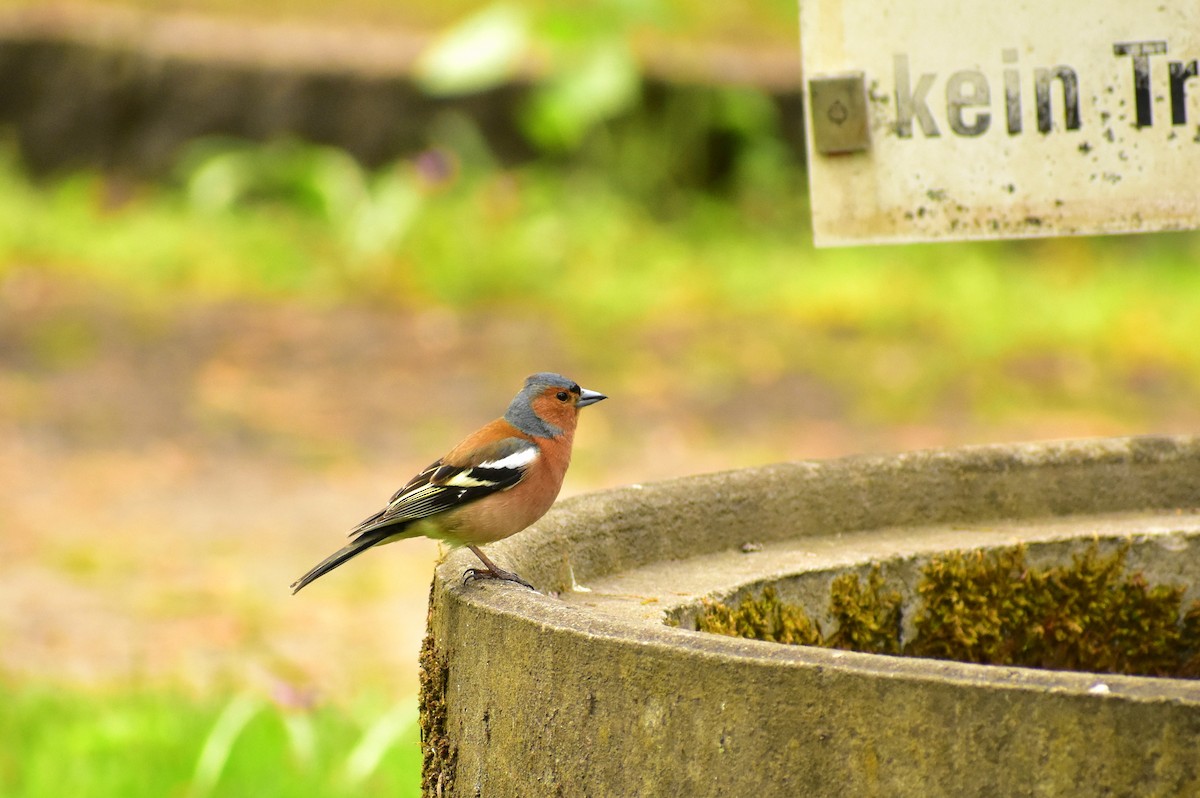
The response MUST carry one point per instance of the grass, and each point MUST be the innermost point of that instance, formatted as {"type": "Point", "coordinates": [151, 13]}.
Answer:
{"type": "Point", "coordinates": [73, 742]}
{"type": "Point", "coordinates": [625, 245]}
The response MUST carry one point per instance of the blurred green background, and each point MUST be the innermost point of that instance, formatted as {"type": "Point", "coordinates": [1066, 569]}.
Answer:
{"type": "Point", "coordinates": [206, 378]}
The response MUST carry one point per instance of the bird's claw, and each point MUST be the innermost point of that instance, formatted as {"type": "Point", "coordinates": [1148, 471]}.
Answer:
{"type": "Point", "coordinates": [471, 574]}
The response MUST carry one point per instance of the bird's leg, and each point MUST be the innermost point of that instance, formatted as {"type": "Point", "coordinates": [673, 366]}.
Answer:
{"type": "Point", "coordinates": [492, 571]}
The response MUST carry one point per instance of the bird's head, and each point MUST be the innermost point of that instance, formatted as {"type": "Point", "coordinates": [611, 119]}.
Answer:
{"type": "Point", "coordinates": [549, 404]}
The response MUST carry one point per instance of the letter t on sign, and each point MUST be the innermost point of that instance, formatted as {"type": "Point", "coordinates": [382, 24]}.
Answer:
{"type": "Point", "coordinates": [1141, 52]}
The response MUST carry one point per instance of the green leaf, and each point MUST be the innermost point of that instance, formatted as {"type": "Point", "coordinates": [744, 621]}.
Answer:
{"type": "Point", "coordinates": [482, 51]}
{"type": "Point", "coordinates": [603, 83]}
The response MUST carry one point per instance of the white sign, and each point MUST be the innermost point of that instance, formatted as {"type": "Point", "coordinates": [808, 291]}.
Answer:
{"type": "Point", "coordinates": [989, 119]}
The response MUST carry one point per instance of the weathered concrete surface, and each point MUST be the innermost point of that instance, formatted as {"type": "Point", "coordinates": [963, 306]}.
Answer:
{"type": "Point", "coordinates": [1162, 545]}
{"type": "Point", "coordinates": [536, 695]}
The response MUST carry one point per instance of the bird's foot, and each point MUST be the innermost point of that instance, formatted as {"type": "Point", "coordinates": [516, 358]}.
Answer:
{"type": "Point", "coordinates": [471, 574]}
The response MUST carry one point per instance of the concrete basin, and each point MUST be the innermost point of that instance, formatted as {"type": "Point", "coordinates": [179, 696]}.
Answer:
{"type": "Point", "coordinates": [583, 690]}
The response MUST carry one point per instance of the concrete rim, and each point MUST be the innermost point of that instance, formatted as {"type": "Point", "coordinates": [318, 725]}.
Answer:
{"type": "Point", "coordinates": [573, 542]}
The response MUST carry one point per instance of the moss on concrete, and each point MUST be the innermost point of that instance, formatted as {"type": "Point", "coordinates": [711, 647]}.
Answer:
{"type": "Point", "coordinates": [1089, 615]}
{"type": "Point", "coordinates": [765, 618]}
{"type": "Point", "coordinates": [995, 608]}
{"type": "Point", "coordinates": [868, 617]}
{"type": "Point", "coordinates": [438, 754]}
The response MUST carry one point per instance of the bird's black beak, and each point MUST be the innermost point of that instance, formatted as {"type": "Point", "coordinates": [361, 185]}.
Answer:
{"type": "Point", "coordinates": [587, 397]}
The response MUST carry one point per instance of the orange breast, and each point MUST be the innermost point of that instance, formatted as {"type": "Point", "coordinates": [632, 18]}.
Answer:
{"type": "Point", "coordinates": [505, 513]}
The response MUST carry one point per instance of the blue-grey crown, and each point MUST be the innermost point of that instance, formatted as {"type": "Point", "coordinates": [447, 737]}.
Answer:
{"type": "Point", "coordinates": [520, 413]}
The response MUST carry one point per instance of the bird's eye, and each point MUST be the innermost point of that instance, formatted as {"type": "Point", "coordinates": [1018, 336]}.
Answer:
{"type": "Point", "coordinates": [562, 396]}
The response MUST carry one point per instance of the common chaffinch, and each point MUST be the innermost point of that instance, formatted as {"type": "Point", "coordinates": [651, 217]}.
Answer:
{"type": "Point", "coordinates": [497, 481]}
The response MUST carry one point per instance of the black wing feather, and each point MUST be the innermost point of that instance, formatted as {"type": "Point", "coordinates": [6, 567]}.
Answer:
{"type": "Point", "coordinates": [443, 486]}
{"type": "Point", "coordinates": [440, 487]}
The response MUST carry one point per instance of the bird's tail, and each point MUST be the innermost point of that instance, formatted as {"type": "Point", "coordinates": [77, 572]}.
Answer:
{"type": "Point", "coordinates": [360, 544]}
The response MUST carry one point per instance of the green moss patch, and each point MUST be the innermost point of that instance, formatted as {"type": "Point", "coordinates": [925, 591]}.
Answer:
{"type": "Point", "coordinates": [995, 608]}
{"type": "Point", "coordinates": [439, 756]}
{"type": "Point", "coordinates": [765, 618]}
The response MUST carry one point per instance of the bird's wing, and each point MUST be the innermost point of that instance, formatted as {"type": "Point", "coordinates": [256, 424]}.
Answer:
{"type": "Point", "coordinates": [446, 485]}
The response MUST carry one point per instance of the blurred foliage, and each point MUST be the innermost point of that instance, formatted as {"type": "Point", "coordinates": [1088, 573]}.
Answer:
{"type": "Point", "coordinates": [750, 23]}
{"type": "Point", "coordinates": [583, 65]}
{"type": "Point", "coordinates": [684, 223]}
{"type": "Point", "coordinates": [480, 52]}
{"type": "Point", "coordinates": [583, 62]}
{"type": "Point", "coordinates": [64, 742]}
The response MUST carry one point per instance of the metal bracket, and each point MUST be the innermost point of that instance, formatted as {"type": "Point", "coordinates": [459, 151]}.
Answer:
{"type": "Point", "coordinates": [838, 104]}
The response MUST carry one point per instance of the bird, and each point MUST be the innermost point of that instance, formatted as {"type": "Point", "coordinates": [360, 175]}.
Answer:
{"type": "Point", "coordinates": [494, 483]}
